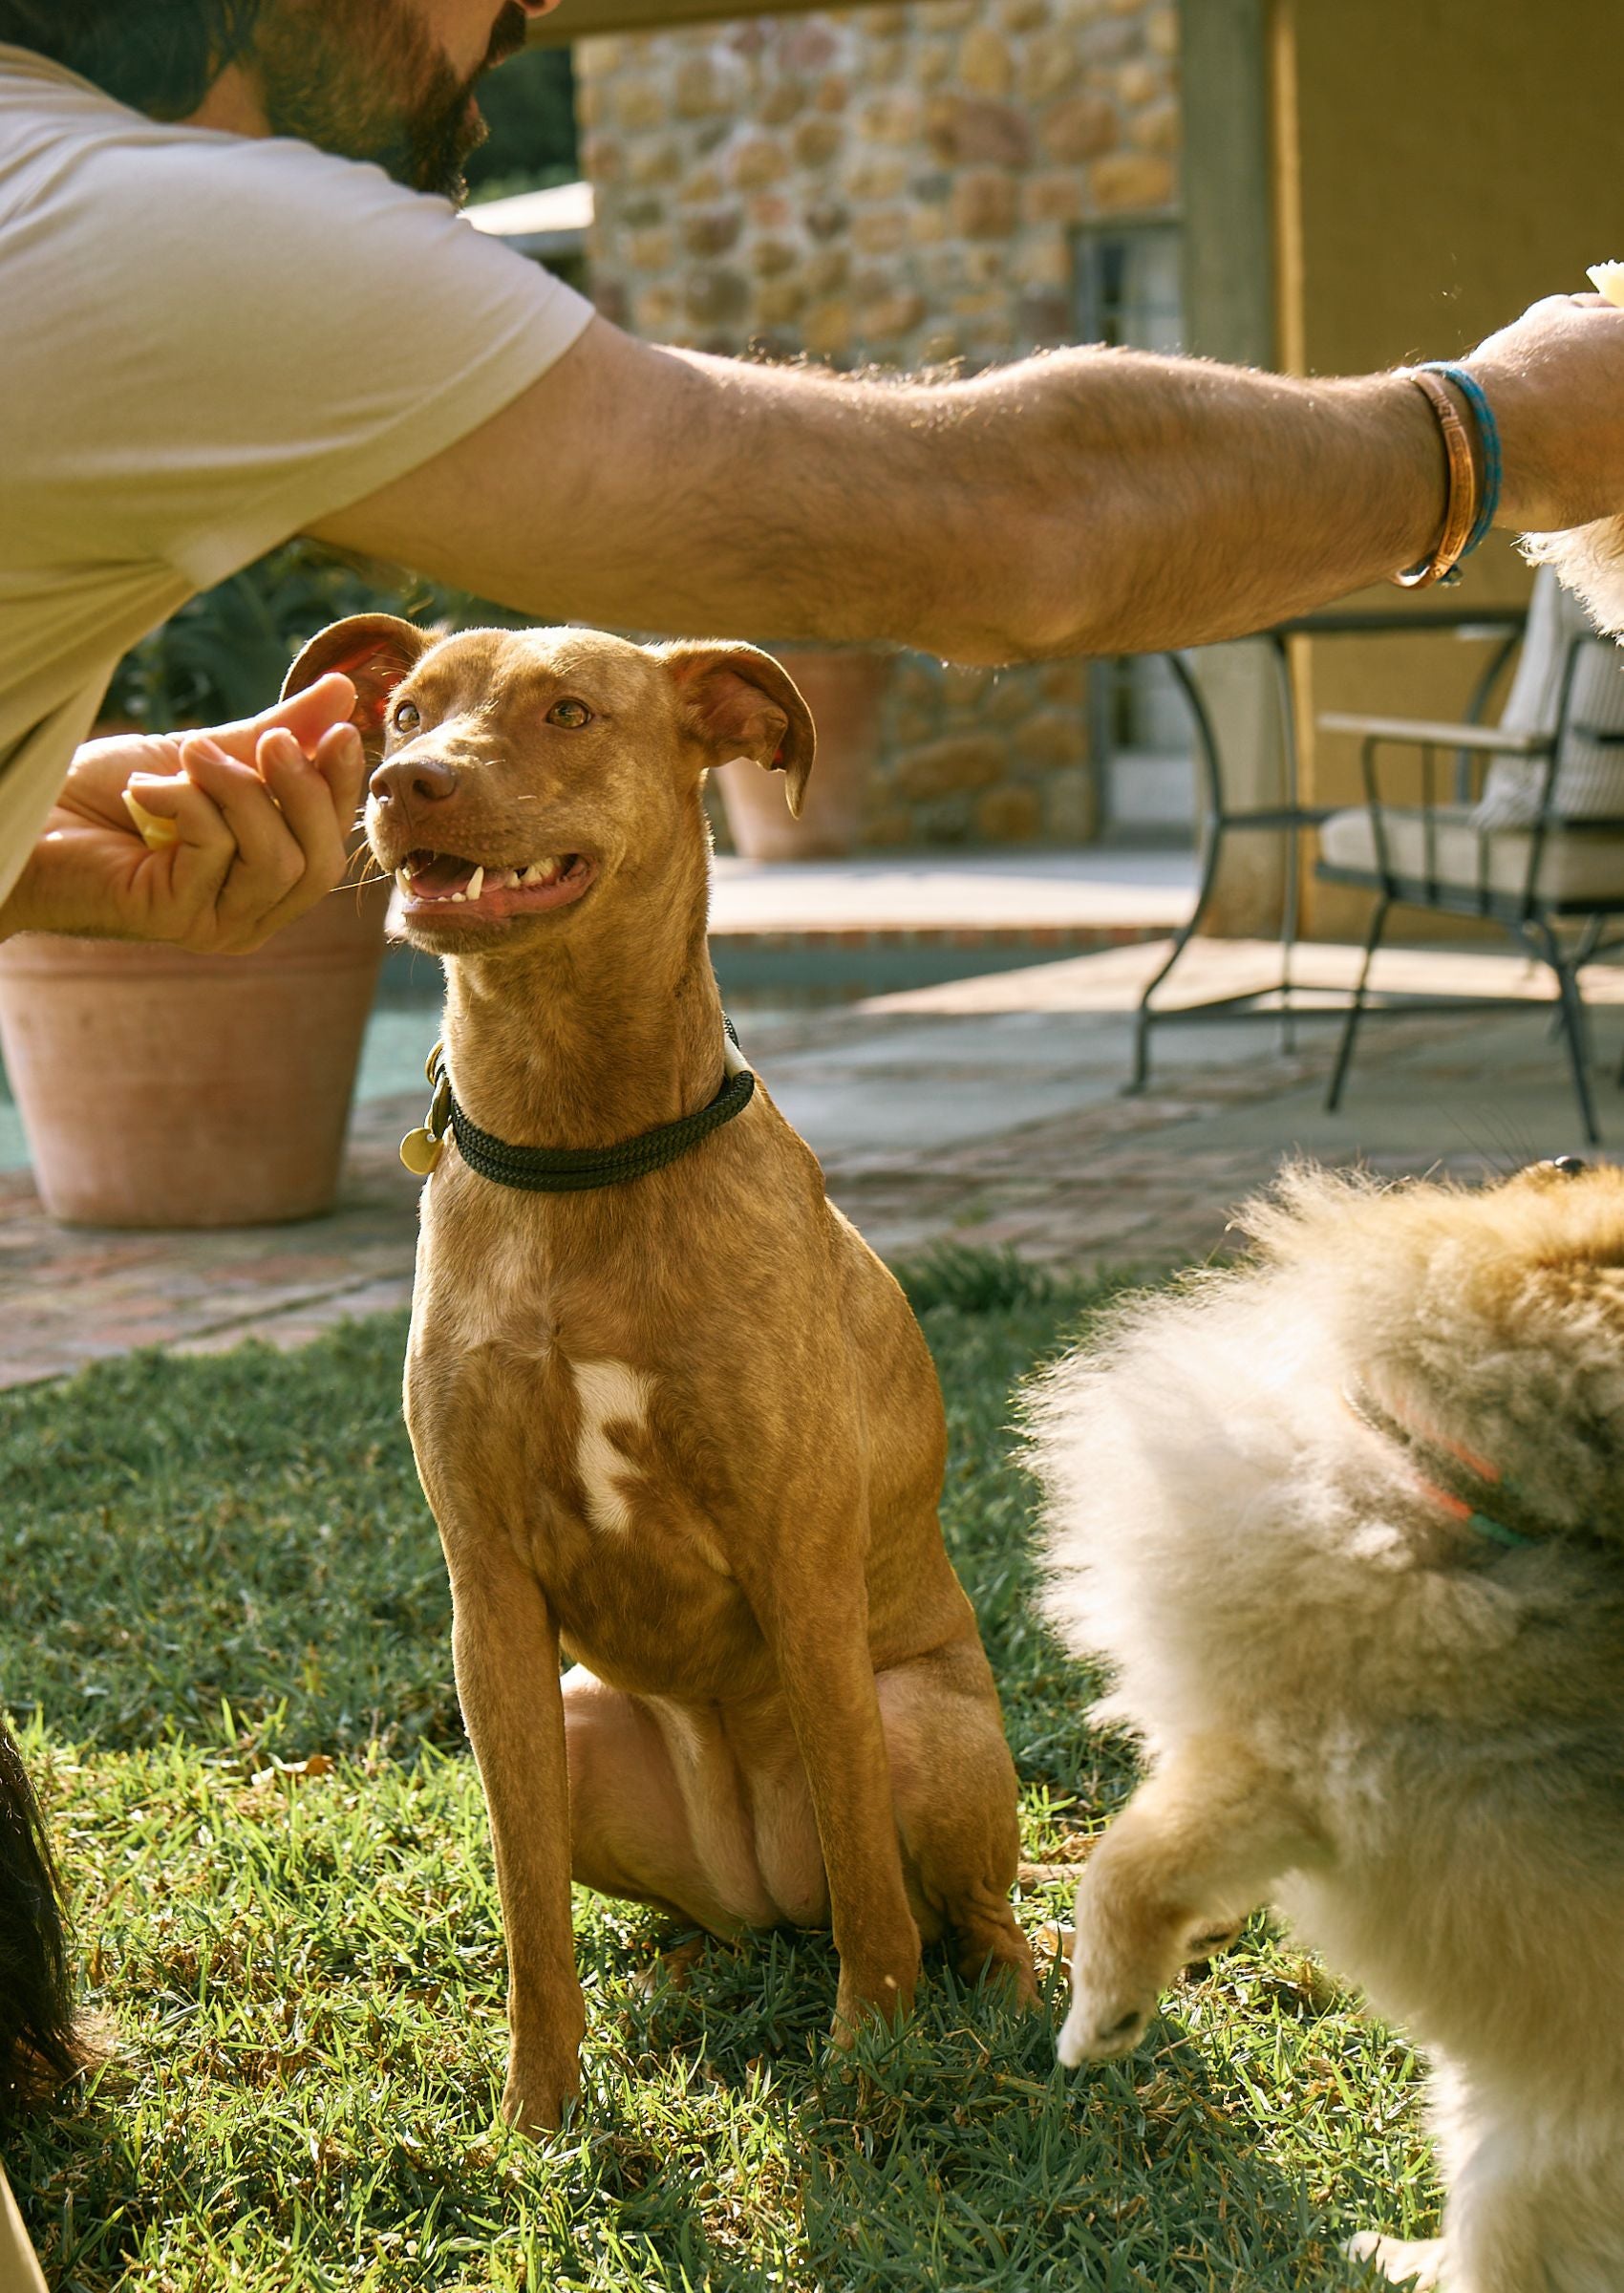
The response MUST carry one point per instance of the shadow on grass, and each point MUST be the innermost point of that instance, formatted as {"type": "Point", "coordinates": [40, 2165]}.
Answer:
{"type": "Point", "coordinates": [220, 1567]}
{"type": "Point", "coordinates": [957, 2152]}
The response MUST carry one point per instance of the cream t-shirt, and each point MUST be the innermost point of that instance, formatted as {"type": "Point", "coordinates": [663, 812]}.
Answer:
{"type": "Point", "coordinates": [207, 342]}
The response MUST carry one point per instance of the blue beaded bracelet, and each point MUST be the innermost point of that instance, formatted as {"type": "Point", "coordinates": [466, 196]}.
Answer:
{"type": "Point", "coordinates": [1488, 441]}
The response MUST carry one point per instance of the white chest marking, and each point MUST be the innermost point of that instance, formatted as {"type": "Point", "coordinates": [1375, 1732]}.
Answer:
{"type": "Point", "coordinates": [610, 1393]}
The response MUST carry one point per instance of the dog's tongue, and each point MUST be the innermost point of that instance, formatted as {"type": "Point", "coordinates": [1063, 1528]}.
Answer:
{"type": "Point", "coordinates": [441, 873]}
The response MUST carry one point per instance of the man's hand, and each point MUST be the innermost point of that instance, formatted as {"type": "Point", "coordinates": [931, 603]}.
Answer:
{"type": "Point", "coordinates": [263, 812]}
{"type": "Point", "coordinates": [1556, 380]}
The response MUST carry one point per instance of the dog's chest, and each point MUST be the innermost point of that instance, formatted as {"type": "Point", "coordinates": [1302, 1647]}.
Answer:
{"type": "Point", "coordinates": [546, 1411]}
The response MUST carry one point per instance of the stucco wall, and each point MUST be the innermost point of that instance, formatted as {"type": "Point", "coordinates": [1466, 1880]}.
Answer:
{"type": "Point", "coordinates": [1480, 137]}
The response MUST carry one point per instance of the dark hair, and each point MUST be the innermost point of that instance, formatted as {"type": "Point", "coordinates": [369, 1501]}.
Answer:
{"type": "Point", "coordinates": [40, 2041]}
{"type": "Point", "coordinates": [160, 56]}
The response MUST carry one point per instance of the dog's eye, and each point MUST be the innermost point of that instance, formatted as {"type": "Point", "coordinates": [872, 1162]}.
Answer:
{"type": "Point", "coordinates": [406, 718]}
{"type": "Point", "coordinates": [572, 714]}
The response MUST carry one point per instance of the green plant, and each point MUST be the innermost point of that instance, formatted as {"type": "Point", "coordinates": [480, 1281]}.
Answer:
{"type": "Point", "coordinates": [529, 109]}
{"type": "Point", "coordinates": [227, 651]}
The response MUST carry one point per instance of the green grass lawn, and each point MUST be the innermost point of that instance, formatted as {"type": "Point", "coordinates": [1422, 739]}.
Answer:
{"type": "Point", "coordinates": [228, 1638]}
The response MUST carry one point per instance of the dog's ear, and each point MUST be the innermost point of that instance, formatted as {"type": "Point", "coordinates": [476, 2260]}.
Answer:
{"type": "Point", "coordinates": [376, 652]}
{"type": "Point", "coordinates": [738, 701]}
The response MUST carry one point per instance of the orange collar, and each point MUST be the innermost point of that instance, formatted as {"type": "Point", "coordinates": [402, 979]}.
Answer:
{"type": "Point", "coordinates": [1380, 1417]}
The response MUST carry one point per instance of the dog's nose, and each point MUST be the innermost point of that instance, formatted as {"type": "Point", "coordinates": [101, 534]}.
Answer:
{"type": "Point", "coordinates": [1569, 1164]}
{"type": "Point", "coordinates": [413, 781]}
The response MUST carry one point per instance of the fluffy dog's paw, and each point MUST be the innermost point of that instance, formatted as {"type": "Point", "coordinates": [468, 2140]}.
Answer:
{"type": "Point", "coordinates": [1119, 1970]}
{"type": "Point", "coordinates": [1211, 1939]}
{"type": "Point", "coordinates": [1403, 2261]}
{"type": "Point", "coordinates": [1111, 2004]}
{"type": "Point", "coordinates": [1101, 2027]}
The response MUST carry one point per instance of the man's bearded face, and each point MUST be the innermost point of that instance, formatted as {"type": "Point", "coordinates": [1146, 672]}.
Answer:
{"type": "Point", "coordinates": [366, 79]}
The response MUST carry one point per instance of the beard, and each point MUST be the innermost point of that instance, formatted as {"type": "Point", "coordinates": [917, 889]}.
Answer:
{"type": "Point", "coordinates": [365, 80]}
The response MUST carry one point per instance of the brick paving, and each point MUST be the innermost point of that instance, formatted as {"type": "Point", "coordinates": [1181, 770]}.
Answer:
{"type": "Point", "coordinates": [71, 1296]}
{"type": "Point", "coordinates": [920, 1104]}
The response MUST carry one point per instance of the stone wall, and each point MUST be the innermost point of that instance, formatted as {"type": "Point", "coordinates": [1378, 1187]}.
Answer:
{"type": "Point", "coordinates": [983, 756]}
{"type": "Point", "coordinates": [899, 187]}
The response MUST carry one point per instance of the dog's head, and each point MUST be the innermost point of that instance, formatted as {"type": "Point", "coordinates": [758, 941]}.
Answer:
{"type": "Point", "coordinates": [526, 779]}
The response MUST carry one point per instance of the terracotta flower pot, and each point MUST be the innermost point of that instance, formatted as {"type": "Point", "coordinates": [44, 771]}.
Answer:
{"type": "Point", "coordinates": [162, 1089]}
{"type": "Point", "coordinates": [843, 688]}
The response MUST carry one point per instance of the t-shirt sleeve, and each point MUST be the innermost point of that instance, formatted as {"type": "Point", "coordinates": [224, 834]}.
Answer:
{"type": "Point", "coordinates": [260, 334]}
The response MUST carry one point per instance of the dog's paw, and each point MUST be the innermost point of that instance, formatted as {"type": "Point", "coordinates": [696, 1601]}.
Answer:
{"type": "Point", "coordinates": [874, 1994]}
{"type": "Point", "coordinates": [1119, 1968]}
{"type": "Point", "coordinates": [1112, 2001]}
{"type": "Point", "coordinates": [1211, 1940]}
{"type": "Point", "coordinates": [537, 2095]}
{"type": "Point", "coordinates": [1101, 2026]}
{"type": "Point", "coordinates": [1405, 2262]}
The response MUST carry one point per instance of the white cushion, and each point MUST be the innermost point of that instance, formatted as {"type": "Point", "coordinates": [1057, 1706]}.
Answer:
{"type": "Point", "coordinates": [1589, 776]}
{"type": "Point", "coordinates": [1574, 866]}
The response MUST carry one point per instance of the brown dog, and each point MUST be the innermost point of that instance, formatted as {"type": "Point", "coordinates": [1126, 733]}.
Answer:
{"type": "Point", "coordinates": [682, 1425]}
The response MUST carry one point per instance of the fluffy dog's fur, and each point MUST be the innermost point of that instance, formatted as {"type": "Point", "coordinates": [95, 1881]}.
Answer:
{"type": "Point", "coordinates": [1589, 561]}
{"type": "Point", "coordinates": [1347, 1523]}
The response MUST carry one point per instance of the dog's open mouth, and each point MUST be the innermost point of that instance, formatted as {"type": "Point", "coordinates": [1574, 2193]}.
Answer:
{"type": "Point", "coordinates": [464, 890]}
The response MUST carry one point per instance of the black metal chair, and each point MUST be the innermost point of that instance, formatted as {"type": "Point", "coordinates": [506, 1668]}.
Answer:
{"type": "Point", "coordinates": [1552, 880]}
{"type": "Point", "coordinates": [1284, 997]}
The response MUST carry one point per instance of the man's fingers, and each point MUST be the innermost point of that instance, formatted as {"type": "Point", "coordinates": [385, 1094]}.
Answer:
{"type": "Point", "coordinates": [267, 861]}
{"type": "Point", "coordinates": [198, 861]}
{"type": "Point", "coordinates": [341, 760]}
{"type": "Point", "coordinates": [307, 715]}
{"type": "Point", "coordinates": [310, 808]}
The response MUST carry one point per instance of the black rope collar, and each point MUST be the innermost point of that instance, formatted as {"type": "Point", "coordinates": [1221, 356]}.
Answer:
{"type": "Point", "coordinates": [568, 1170]}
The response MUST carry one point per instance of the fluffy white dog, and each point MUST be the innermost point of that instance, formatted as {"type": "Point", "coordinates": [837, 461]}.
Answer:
{"type": "Point", "coordinates": [1347, 1522]}
{"type": "Point", "coordinates": [1589, 561]}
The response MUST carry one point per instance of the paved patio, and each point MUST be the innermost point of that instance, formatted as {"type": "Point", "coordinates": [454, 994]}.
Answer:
{"type": "Point", "coordinates": [989, 1109]}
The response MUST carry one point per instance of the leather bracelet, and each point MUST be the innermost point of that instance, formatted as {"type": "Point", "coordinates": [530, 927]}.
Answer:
{"type": "Point", "coordinates": [1461, 503]}
{"type": "Point", "coordinates": [1488, 441]}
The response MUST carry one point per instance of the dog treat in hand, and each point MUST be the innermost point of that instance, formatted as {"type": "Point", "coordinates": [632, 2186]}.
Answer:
{"type": "Point", "coordinates": [157, 834]}
{"type": "Point", "coordinates": [1608, 280]}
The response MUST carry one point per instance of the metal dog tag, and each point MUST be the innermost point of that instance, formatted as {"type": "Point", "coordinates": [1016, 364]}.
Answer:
{"type": "Point", "coordinates": [420, 1152]}
{"type": "Point", "coordinates": [420, 1149]}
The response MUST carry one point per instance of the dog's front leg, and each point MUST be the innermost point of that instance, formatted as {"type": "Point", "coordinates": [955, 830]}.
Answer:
{"type": "Point", "coordinates": [818, 1636]}
{"type": "Point", "coordinates": [504, 1644]}
{"type": "Point", "coordinates": [1195, 1851]}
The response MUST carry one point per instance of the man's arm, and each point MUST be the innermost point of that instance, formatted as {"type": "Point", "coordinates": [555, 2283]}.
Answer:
{"type": "Point", "coordinates": [1086, 501]}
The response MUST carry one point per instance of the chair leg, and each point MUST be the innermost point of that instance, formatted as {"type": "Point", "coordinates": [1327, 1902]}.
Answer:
{"type": "Point", "coordinates": [1289, 943]}
{"type": "Point", "coordinates": [1573, 1028]}
{"type": "Point", "coordinates": [1356, 1009]}
{"type": "Point", "coordinates": [1146, 1015]}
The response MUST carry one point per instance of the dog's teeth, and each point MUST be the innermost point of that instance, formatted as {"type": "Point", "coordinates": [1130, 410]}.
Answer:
{"type": "Point", "coordinates": [475, 885]}
{"type": "Point", "coordinates": [505, 879]}
{"type": "Point", "coordinates": [403, 877]}
{"type": "Point", "coordinates": [459, 897]}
